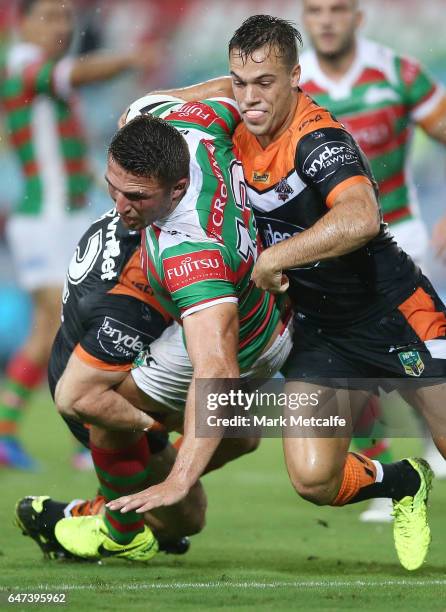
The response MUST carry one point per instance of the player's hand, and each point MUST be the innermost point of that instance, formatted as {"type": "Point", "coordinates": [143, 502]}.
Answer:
{"type": "Point", "coordinates": [167, 493]}
{"type": "Point", "coordinates": [266, 277]}
{"type": "Point", "coordinates": [439, 239]}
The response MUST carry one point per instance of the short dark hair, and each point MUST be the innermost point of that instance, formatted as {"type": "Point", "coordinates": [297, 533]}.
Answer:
{"type": "Point", "coordinates": [260, 30]}
{"type": "Point", "coordinates": [151, 147]}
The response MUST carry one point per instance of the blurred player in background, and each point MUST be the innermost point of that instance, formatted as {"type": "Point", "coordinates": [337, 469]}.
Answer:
{"type": "Point", "coordinates": [36, 90]}
{"type": "Point", "coordinates": [379, 96]}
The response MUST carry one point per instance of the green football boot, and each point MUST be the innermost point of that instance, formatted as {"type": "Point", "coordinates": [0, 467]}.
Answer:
{"type": "Point", "coordinates": [411, 530]}
{"type": "Point", "coordinates": [88, 537]}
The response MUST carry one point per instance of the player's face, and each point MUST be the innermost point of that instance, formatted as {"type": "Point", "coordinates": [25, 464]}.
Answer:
{"type": "Point", "coordinates": [50, 24]}
{"type": "Point", "coordinates": [264, 87]}
{"type": "Point", "coordinates": [140, 200]}
{"type": "Point", "coordinates": [331, 25]}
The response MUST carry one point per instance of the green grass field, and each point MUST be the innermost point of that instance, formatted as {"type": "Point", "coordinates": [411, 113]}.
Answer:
{"type": "Point", "coordinates": [262, 546]}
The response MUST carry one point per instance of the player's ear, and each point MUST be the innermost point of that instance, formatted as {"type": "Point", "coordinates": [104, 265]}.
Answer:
{"type": "Point", "coordinates": [295, 76]}
{"type": "Point", "coordinates": [179, 189]}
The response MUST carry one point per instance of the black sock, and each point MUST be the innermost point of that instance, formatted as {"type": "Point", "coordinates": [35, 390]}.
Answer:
{"type": "Point", "coordinates": [399, 479]}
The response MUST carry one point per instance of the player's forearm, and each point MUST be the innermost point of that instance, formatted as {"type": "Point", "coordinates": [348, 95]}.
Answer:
{"type": "Point", "coordinates": [196, 452]}
{"type": "Point", "coordinates": [333, 235]}
{"type": "Point", "coordinates": [214, 88]}
{"type": "Point", "coordinates": [99, 67]}
{"type": "Point", "coordinates": [108, 409]}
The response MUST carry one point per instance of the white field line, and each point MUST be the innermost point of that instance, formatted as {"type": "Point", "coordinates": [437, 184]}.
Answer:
{"type": "Point", "coordinates": [304, 584]}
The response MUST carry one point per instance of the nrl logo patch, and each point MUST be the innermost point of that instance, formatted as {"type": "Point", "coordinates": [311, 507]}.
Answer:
{"type": "Point", "coordinates": [283, 190]}
{"type": "Point", "coordinates": [412, 363]}
{"type": "Point", "coordinates": [260, 178]}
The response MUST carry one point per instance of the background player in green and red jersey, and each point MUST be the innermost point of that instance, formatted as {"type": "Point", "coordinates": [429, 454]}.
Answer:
{"type": "Point", "coordinates": [379, 96]}
{"type": "Point", "coordinates": [37, 93]}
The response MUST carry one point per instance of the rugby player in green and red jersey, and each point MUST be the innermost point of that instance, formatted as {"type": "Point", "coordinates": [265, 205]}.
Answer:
{"type": "Point", "coordinates": [380, 96]}
{"type": "Point", "coordinates": [179, 179]}
{"type": "Point", "coordinates": [37, 92]}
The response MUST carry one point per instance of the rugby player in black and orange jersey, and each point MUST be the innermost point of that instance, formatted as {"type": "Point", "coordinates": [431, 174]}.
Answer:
{"type": "Point", "coordinates": [109, 317]}
{"type": "Point", "coordinates": [363, 309]}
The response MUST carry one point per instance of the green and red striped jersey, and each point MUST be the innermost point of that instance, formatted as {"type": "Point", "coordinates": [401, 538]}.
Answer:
{"type": "Point", "coordinates": [379, 100]}
{"type": "Point", "coordinates": [44, 131]}
{"type": "Point", "coordinates": [203, 253]}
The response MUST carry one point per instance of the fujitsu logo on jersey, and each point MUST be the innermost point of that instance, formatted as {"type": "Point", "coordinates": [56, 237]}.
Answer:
{"type": "Point", "coordinates": [112, 250]}
{"type": "Point", "coordinates": [183, 270]}
{"type": "Point", "coordinates": [200, 113]}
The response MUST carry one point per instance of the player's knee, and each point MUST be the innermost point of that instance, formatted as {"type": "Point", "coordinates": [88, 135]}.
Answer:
{"type": "Point", "coordinates": [316, 486]}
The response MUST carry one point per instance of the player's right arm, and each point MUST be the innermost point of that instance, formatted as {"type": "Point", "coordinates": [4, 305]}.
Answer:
{"type": "Point", "coordinates": [103, 66]}
{"type": "Point", "coordinates": [59, 78]}
{"type": "Point", "coordinates": [87, 393]}
{"type": "Point", "coordinates": [352, 218]}
{"type": "Point", "coordinates": [212, 344]}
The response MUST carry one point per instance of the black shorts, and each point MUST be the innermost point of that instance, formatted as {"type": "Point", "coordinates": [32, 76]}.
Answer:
{"type": "Point", "coordinates": [409, 342]}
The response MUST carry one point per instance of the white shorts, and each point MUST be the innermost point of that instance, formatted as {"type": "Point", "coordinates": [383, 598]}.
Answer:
{"type": "Point", "coordinates": [42, 247]}
{"type": "Point", "coordinates": [166, 372]}
{"type": "Point", "coordinates": [413, 238]}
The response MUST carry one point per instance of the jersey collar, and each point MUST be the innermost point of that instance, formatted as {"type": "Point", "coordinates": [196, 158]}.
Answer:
{"type": "Point", "coordinates": [341, 89]}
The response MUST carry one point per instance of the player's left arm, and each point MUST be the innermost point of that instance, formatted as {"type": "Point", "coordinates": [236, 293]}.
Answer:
{"type": "Point", "coordinates": [220, 87]}
{"type": "Point", "coordinates": [212, 343]}
{"type": "Point", "coordinates": [88, 394]}
{"type": "Point", "coordinates": [353, 217]}
{"type": "Point", "coordinates": [214, 88]}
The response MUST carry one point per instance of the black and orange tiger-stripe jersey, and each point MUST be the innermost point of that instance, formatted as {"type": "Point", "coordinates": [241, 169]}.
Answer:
{"type": "Point", "coordinates": [291, 184]}
{"type": "Point", "coordinates": [109, 313]}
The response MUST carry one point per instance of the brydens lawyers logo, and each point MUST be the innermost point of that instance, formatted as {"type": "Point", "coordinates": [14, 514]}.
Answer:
{"type": "Point", "coordinates": [189, 268]}
{"type": "Point", "coordinates": [118, 338]}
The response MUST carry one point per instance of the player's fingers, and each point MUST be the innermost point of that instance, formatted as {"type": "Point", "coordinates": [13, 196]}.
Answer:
{"type": "Point", "coordinates": [116, 504]}
{"type": "Point", "coordinates": [147, 507]}
{"type": "Point", "coordinates": [133, 504]}
{"type": "Point", "coordinates": [285, 283]}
